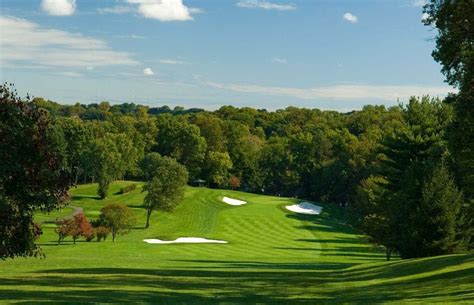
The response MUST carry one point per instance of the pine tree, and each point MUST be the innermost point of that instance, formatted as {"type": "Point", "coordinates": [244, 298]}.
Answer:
{"type": "Point", "coordinates": [440, 214]}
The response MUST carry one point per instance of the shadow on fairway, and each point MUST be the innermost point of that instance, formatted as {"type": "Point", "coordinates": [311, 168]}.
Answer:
{"type": "Point", "coordinates": [250, 282]}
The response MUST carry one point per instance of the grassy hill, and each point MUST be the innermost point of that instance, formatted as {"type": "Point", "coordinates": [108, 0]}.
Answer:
{"type": "Point", "coordinates": [273, 256]}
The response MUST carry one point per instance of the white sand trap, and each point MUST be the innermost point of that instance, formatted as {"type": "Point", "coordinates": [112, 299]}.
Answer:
{"type": "Point", "coordinates": [305, 208]}
{"type": "Point", "coordinates": [233, 201]}
{"type": "Point", "coordinates": [186, 240]}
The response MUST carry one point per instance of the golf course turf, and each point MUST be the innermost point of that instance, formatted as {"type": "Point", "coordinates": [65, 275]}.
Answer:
{"type": "Point", "coordinates": [273, 256]}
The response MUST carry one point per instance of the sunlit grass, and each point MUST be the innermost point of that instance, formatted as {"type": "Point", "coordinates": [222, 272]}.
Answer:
{"type": "Point", "coordinates": [273, 256]}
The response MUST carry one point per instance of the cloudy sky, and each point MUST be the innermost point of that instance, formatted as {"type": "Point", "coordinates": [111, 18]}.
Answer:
{"type": "Point", "coordinates": [328, 54]}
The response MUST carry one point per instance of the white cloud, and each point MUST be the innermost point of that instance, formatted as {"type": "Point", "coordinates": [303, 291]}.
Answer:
{"type": "Point", "coordinates": [349, 17]}
{"type": "Point", "coordinates": [418, 3]}
{"type": "Point", "coordinates": [266, 5]}
{"type": "Point", "coordinates": [424, 16]}
{"type": "Point", "coordinates": [133, 36]}
{"type": "Point", "coordinates": [70, 74]}
{"type": "Point", "coordinates": [196, 10]}
{"type": "Point", "coordinates": [59, 7]}
{"type": "Point", "coordinates": [163, 10]}
{"type": "Point", "coordinates": [171, 62]}
{"type": "Point", "coordinates": [148, 72]}
{"type": "Point", "coordinates": [278, 60]}
{"type": "Point", "coordinates": [24, 42]}
{"type": "Point", "coordinates": [119, 9]}
{"type": "Point", "coordinates": [337, 92]}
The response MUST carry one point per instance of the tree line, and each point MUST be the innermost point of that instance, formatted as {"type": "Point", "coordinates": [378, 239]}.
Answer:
{"type": "Point", "coordinates": [405, 173]}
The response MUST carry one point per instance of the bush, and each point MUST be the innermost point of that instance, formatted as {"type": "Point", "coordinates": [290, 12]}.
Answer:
{"type": "Point", "coordinates": [62, 229]}
{"type": "Point", "coordinates": [90, 235]}
{"type": "Point", "coordinates": [101, 233]}
{"type": "Point", "coordinates": [234, 182]}
{"type": "Point", "coordinates": [128, 188]}
{"type": "Point", "coordinates": [75, 227]}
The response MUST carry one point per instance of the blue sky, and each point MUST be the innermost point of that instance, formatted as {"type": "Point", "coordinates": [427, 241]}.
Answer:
{"type": "Point", "coordinates": [328, 54]}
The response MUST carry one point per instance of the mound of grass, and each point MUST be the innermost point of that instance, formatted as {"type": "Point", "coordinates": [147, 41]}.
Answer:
{"type": "Point", "coordinates": [273, 256]}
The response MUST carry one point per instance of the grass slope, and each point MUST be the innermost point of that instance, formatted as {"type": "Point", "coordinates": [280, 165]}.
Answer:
{"type": "Point", "coordinates": [273, 256]}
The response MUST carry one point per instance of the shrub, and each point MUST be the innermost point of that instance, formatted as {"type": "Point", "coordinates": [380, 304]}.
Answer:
{"type": "Point", "coordinates": [128, 188]}
{"type": "Point", "coordinates": [234, 182]}
{"type": "Point", "coordinates": [62, 229]}
{"type": "Point", "coordinates": [75, 227]}
{"type": "Point", "coordinates": [101, 233]}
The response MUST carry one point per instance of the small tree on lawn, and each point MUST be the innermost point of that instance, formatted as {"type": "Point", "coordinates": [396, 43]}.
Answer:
{"type": "Point", "coordinates": [75, 227]}
{"type": "Point", "coordinates": [101, 230]}
{"type": "Point", "coordinates": [62, 229]}
{"type": "Point", "coordinates": [118, 218]}
{"type": "Point", "coordinates": [166, 186]}
{"type": "Point", "coordinates": [234, 182]}
{"type": "Point", "coordinates": [80, 226]}
{"type": "Point", "coordinates": [101, 233]}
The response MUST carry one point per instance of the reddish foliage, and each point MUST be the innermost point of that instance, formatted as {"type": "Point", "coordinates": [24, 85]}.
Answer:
{"type": "Point", "coordinates": [234, 182]}
{"type": "Point", "coordinates": [75, 227]}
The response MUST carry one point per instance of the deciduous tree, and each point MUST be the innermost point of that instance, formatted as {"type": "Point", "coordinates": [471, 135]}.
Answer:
{"type": "Point", "coordinates": [165, 187]}
{"type": "Point", "coordinates": [118, 218]}
{"type": "Point", "coordinates": [33, 176]}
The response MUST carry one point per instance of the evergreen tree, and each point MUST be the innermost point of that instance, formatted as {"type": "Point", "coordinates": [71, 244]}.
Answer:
{"type": "Point", "coordinates": [440, 214]}
{"type": "Point", "coordinates": [454, 21]}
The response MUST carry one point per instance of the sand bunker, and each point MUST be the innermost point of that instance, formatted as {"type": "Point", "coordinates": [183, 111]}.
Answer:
{"type": "Point", "coordinates": [233, 201]}
{"type": "Point", "coordinates": [305, 208]}
{"type": "Point", "coordinates": [186, 240]}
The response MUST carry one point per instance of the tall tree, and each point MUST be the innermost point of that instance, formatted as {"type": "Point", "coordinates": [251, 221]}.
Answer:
{"type": "Point", "coordinates": [181, 141]}
{"type": "Point", "coordinates": [217, 167]}
{"type": "Point", "coordinates": [441, 205]}
{"type": "Point", "coordinates": [165, 185]}
{"type": "Point", "coordinates": [411, 154]}
{"type": "Point", "coordinates": [454, 21]}
{"type": "Point", "coordinates": [32, 175]}
{"type": "Point", "coordinates": [107, 161]}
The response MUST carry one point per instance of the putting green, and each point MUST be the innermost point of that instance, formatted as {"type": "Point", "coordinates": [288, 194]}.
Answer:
{"type": "Point", "coordinates": [272, 256]}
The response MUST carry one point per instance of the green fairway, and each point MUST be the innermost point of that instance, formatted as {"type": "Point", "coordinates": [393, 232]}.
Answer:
{"type": "Point", "coordinates": [272, 256]}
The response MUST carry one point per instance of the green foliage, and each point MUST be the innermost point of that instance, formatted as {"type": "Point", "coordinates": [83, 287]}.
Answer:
{"type": "Point", "coordinates": [101, 233]}
{"type": "Point", "coordinates": [32, 173]}
{"type": "Point", "coordinates": [128, 188]}
{"type": "Point", "coordinates": [165, 187]}
{"type": "Point", "coordinates": [183, 142]}
{"type": "Point", "coordinates": [421, 224]}
{"type": "Point", "coordinates": [454, 21]}
{"type": "Point", "coordinates": [218, 165]}
{"type": "Point", "coordinates": [440, 208]}
{"type": "Point", "coordinates": [375, 160]}
{"type": "Point", "coordinates": [103, 188]}
{"type": "Point", "coordinates": [118, 218]}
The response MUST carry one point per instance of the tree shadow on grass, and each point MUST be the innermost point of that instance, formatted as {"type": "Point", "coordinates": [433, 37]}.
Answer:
{"type": "Point", "coordinates": [247, 282]}
{"type": "Point", "coordinates": [88, 197]}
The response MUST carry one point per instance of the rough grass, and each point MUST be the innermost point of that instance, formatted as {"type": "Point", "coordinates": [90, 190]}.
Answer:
{"type": "Point", "coordinates": [273, 256]}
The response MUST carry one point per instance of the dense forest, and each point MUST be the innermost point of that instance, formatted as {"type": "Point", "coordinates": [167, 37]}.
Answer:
{"type": "Point", "coordinates": [404, 173]}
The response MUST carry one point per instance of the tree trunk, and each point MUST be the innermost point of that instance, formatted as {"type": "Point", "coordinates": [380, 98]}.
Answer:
{"type": "Point", "coordinates": [113, 235]}
{"type": "Point", "coordinates": [77, 176]}
{"type": "Point", "coordinates": [388, 253]}
{"type": "Point", "coordinates": [148, 214]}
